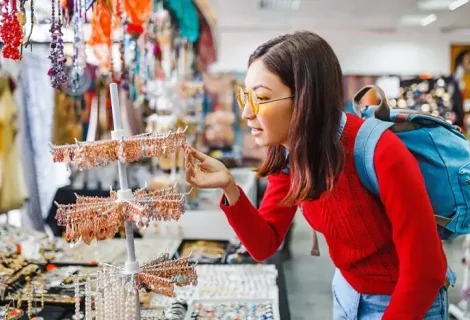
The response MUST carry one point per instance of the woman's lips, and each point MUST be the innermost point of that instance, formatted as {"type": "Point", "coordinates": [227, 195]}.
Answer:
{"type": "Point", "coordinates": [256, 132]}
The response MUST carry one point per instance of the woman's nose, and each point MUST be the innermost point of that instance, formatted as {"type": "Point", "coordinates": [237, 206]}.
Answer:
{"type": "Point", "coordinates": [247, 113]}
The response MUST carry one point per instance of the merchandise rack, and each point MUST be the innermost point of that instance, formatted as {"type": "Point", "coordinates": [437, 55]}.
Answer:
{"type": "Point", "coordinates": [159, 275]}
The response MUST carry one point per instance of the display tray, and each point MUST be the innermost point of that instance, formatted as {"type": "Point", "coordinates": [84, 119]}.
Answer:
{"type": "Point", "coordinates": [113, 251]}
{"type": "Point", "coordinates": [203, 251]}
{"type": "Point", "coordinates": [83, 254]}
{"type": "Point", "coordinates": [233, 309]}
{"type": "Point", "coordinates": [65, 300]}
{"type": "Point", "coordinates": [147, 249]}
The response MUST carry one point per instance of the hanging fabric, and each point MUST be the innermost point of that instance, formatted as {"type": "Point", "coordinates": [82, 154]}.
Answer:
{"type": "Point", "coordinates": [101, 35]}
{"type": "Point", "coordinates": [12, 186]}
{"type": "Point", "coordinates": [139, 12]}
{"type": "Point", "coordinates": [206, 46]}
{"type": "Point", "coordinates": [43, 177]}
{"type": "Point", "coordinates": [187, 17]}
{"type": "Point", "coordinates": [66, 125]}
{"type": "Point", "coordinates": [208, 38]}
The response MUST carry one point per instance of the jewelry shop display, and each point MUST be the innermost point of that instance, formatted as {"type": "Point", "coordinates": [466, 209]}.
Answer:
{"type": "Point", "coordinates": [231, 310]}
{"type": "Point", "coordinates": [86, 155]}
{"type": "Point", "coordinates": [116, 288]}
{"type": "Point", "coordinates": [100, 218]}
{"type": "Point", "coordinates": [236, 282]}
{"type": "Point", "coordinates": [114, 292]}
{"type": "Point", "coordinates": [204, 251]}
{"type": "Point", "coordinates": [250, 289]}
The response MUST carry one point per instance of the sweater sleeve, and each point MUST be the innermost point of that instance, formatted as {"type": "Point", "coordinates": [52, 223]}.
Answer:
{"type": "Point", "coordinates": [422, 262]}
{"type": "Point", "coordinates": [262, 231]}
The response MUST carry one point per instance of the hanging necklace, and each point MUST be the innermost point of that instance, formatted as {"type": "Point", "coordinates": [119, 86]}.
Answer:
{"type": "Point", "coordinates": [124, 76]}
{"type": "Point", "coordinates": [27, 40]}
{"type": "Point", "coordinates": [57, 72]}
{"type": "Point", "coordinates": [11, 32]}
{"type": "Point", "coordinates": [79, 58]}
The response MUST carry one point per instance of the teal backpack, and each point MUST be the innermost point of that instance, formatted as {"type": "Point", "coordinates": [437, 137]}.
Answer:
{"type": "Point", "coordinates": [442, 151]}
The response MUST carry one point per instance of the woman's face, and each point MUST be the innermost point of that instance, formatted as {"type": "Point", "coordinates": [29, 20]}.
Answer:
{"type": "Point", "coordinates": [271, 125]}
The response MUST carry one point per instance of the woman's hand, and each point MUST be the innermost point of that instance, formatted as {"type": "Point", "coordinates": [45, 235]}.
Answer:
{"type": "Point", "coordinates": [208, 172]}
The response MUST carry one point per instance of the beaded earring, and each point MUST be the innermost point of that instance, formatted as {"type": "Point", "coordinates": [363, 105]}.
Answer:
{"type": "Point", "coordinates": [57, 72]}
{"type": "Point", "coordinates": [79, 59]}
{"type": "Point", "coordinates": [11, 32]}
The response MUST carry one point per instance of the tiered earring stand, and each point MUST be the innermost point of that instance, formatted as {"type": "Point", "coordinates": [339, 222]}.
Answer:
{"type": "Point", "coordinates": [114, 290]}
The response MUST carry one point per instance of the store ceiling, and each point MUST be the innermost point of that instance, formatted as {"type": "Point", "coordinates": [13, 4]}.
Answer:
{"type": "Point", "coordinates": [372, 15]}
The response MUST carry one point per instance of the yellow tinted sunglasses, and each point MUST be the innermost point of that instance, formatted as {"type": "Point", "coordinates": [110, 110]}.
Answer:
{"type": "Point", "coordinates": [253, 100]}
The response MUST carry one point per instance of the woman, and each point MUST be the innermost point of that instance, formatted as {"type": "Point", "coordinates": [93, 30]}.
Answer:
{"type": "Point", "coordinates": [389, 266]}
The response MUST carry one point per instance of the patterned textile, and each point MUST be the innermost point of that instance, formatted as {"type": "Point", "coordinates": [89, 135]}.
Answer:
{"type": "Point", "coordinates": [43, 177]}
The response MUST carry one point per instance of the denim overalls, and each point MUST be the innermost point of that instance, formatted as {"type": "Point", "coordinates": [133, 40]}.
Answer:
{"type": "Point", "coordinates": [348, 304]}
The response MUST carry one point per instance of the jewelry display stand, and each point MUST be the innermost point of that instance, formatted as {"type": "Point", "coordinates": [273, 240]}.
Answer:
{"type": "Point", "coordinates": [460, 311]}
{"type": "Point", "coordinates": [131, 266]}
{"type": "Point", "coordinates": [114, 289]}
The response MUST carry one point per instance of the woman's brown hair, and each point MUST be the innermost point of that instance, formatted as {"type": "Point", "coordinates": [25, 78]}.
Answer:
{"type": "Point", "coordinates": [309, 67]}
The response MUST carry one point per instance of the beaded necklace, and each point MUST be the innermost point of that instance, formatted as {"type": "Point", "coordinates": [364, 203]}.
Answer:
{"type": "Point", "coordinates": [11, 32]}
{"type": "Point", "coordinates": [57, 72]}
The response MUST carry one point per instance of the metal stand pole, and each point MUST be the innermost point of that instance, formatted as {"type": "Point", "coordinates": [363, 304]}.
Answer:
{"type": "Point", "coordinates": [131, 266]}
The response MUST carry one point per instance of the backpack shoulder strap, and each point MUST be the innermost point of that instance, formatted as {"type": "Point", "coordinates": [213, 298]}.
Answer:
{"type": "Point", "coordinates": [364, 150]}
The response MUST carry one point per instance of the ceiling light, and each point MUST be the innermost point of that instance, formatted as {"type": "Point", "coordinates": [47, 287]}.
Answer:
{"type": "Point", "coordinates": [463, 31]}
{"type": "Point", "coordinates": [279, 4]}
{"type": "Point", "coordinates": [411, 20]}
{"type": "Point", "coordinates": [433, 5]}
{"type": "Point", "coordinates": [457, 4]}
{"type": "Point", "coordinates": [428, 20]}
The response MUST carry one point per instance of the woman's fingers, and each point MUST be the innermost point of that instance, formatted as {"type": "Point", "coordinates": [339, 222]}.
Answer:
{"type": "Point", "coordinates": [196, 166]}
{"type": "Point", "coordinates": [188, 157]}
{"type": "Point", "coordinates": [195, 153]}
{"type": "Point", "coordinates": [195, 174]}
{"type": "Point", "coordinates": [198, 154]}
{"type": "Point", "coordinates": [190, 175]}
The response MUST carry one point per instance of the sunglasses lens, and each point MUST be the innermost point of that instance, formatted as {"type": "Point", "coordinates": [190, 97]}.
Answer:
{"type": "Point", "coordinates": [241, 98]}
{"type": "Point", "coordinates": [253, 100]}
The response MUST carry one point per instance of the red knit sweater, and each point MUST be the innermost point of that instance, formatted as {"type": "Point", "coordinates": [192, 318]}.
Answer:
{"type": "Point", "coordinates": [382, 246]}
